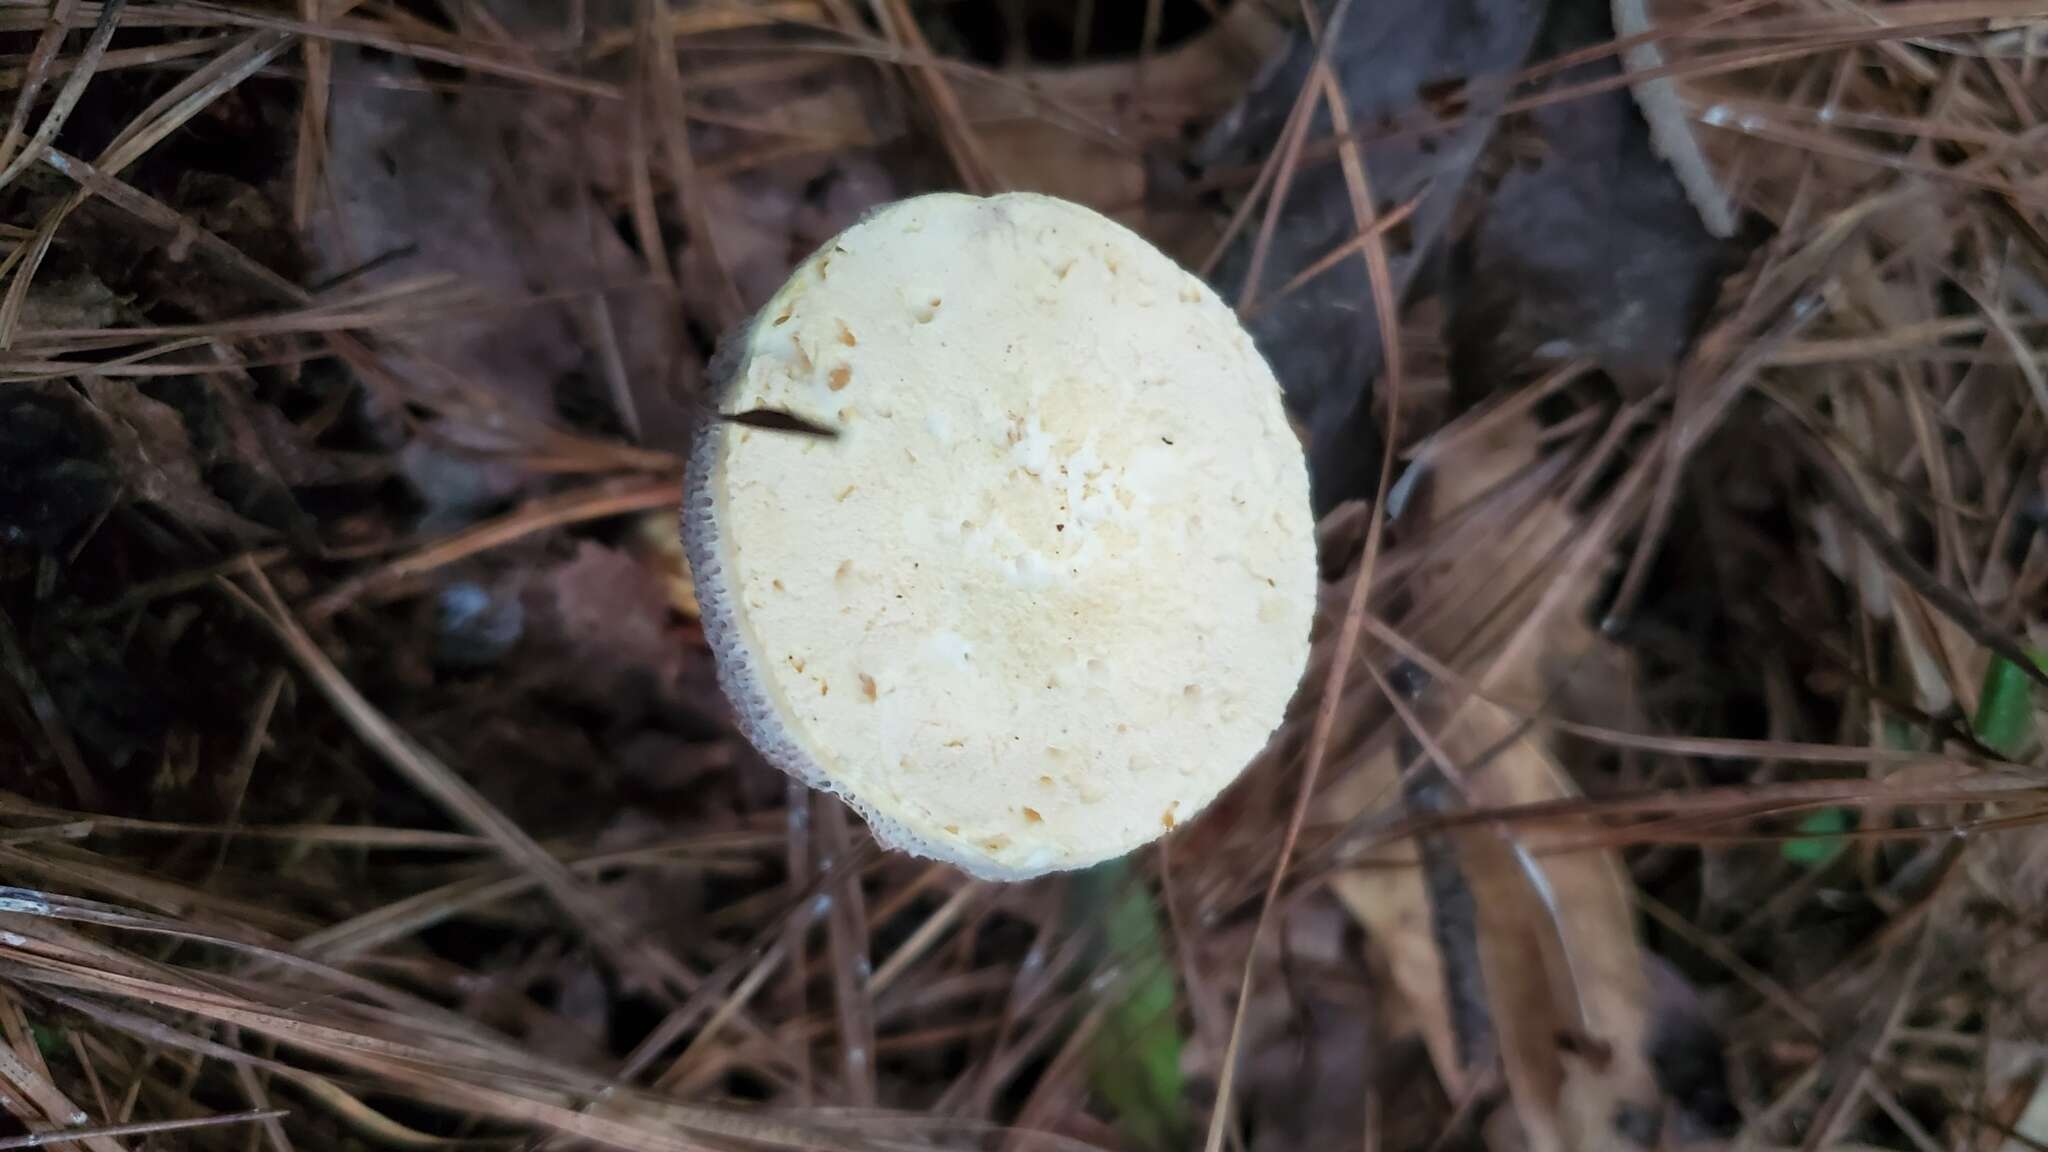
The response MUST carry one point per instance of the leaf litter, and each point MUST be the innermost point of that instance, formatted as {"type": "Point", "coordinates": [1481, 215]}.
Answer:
{"type": "Point", "coordinates": [368, 780]}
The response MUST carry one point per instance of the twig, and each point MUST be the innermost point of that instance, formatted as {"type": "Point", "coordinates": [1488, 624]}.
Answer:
{"type": "Point", "coordinates": [970, 159]}
{"type": "Point", "coordinates": [143, 1128]}
{"type": "Point", "coordinates": [1386, 306]}
{"type": "Point", "coordinates": [1953, 604]}
{"type": "Point", "coordinates": [438, 781]}
{"type": "Point", "coordinates": [38, 70]}
{"type": "Point", "coordinates": [245, 767]}
{"type": "Point", "coordinates": [665, 86]}
{"type": "Point", "coordinates": [927, 934]}
{"type": "Point", "coordinates": [37, 1090]}
{"type": "Point", "coordinates": [67, 96]}
{"type": "Point", "coordinates": [598, 502]}
{"type": "Point", "coordinates": [309, 157]}
{"type": "Point", "coordinates": [846, 933]}
{"type": "Point", "coordinates": [16, 661]}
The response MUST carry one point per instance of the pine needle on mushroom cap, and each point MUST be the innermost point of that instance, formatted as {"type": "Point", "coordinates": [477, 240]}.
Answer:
{"type": "Point", "coordinates": [995, 612]}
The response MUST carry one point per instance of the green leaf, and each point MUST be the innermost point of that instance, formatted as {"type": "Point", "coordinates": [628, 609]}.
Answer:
{"type": "Point", "coordinates": [2004, 722]}
{"type": "Point", "coordinates": [46, 1040]}
{"type": "Point", "coordinates": [1901, 735]}
{"type": "Point", "coordinates": [1134, 1057]}
{"type": "Point", "coordinates": [1821, 837]}
{"type": "Point", "coordinates": [2005, 706]}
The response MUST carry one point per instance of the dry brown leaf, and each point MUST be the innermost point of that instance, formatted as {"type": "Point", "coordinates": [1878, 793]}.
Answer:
{"type": "Point", "coordinates": [1394, 908]}
{"type": "Point", "coordinates": [78, 300]}
{"type": "Point", "coordinates": [1039, 156]}
{"type": "Point", "coordinates": [1196, 79]}
{"type": "Point", "coordinates": [153, 452]}
{"type": "Point", "coordinates": [1574, 1030]}
{"type": "Point", "coordinates": [1573, 1027]}
{"type": "Point", "coordinates": [607, 613]}
{"type": "Point", "coordinates": [498, 194]}
{"type": "Point", "coordinates": [1080, 132]}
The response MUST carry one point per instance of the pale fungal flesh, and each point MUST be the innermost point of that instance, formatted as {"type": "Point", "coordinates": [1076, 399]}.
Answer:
{"type": "Point", "coordinates": [1049, 589]}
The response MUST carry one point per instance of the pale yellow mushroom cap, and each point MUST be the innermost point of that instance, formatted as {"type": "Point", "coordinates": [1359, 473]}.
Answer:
{"type": "Point", "coordinates": [1049, 590]}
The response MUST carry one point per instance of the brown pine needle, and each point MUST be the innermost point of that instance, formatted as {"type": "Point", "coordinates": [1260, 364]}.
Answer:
{"type": "Point", "coordinates": [1386, 306]}
{"type": "Point", "coordinates": [144, 1128]}
{"type": "Point", "coordinates": [597, 502]}
{"type": "Point", "coordinates": [426, 771]}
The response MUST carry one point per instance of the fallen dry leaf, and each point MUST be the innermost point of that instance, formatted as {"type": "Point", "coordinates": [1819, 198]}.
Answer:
{"type": "Point", "coordinates": [1080, 132]}
{"type": "Point", "coordinates": [1574, 1029]}
{"type": "Point", "coordinates": [1586, 246]}
{"type": "Point", "coordinates": [1190, 81]}
{"type": "Point", "coordinates": [1566, 1000]}
{"type": "Point", "coordinates": [1039, 156]}
{"type": "Point", "coordinates": [1320, 332]}
{"type": "Point", "coordinates": [603, 616]}
{"type": "Point", "coordinates": [77, 300]}
{"type": "Point", "coordinates": [152, 451]}
{"type": "Point", "coordinates": [1394, 907]}
{"type": "Point", "coordinates": [504, 197]}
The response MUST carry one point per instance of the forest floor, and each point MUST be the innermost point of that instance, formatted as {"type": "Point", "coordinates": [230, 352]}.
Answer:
{"type": "Point", "coordinates": [1664, 774]}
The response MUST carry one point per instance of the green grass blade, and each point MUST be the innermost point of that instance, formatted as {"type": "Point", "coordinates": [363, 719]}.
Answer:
{"type": "Point", "coordinates": [2005, 707]}
{"type": "Point", "coordinates": [1821, 838]}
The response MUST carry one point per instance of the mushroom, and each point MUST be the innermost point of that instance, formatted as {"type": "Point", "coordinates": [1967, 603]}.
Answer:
{"type": "Point", "coordinates": [1049, 589]}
